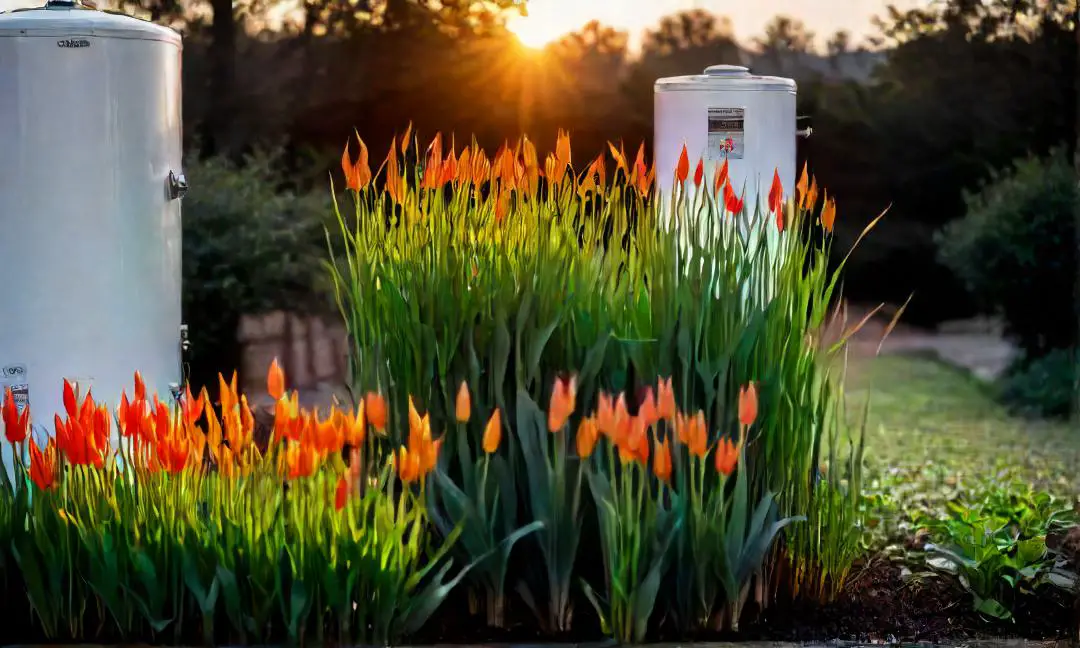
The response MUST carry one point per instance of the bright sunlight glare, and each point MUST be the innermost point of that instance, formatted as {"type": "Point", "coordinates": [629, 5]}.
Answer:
{"type": "Point", "coordinates": [541, 27]}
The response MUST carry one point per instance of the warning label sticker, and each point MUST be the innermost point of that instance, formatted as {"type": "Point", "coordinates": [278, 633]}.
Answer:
{"type": "Point", "coordinates": [15, 378]}
{"type": "Point", "coordinates": [727, 133]}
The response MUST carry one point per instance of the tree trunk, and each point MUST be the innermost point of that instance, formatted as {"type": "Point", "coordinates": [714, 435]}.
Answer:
{"type": "Point", "coordinates": [222, 67]}
{"type": "Point", "coordinates": [1076, 220]}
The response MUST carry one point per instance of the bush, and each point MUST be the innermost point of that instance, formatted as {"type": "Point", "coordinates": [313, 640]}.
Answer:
{"type": "Point", "coordinates": [249, 246]}
{"type": "Point", "coordinates": [1045, 386]}
{"type": "Point", "coordinates": [1016, 251]}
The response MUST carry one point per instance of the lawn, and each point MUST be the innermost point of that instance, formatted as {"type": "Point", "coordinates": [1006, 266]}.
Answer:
{"type": "Point", "coordinates": [934, 432]}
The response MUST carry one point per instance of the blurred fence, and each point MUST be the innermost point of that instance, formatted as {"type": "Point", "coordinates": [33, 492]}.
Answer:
{"type": "Point", "coordinates": [311, 349]}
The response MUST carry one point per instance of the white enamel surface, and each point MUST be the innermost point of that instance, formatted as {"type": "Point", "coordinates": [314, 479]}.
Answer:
{"type": "Point", "coordinates": [89, 238]}
{"type": "Point", "coordinates": [681, 116]}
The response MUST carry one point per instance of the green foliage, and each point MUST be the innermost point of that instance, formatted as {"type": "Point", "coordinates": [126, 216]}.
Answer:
{"type": "Point", "coordinates": [184, 557]}
{"type": "Point", "coordinates": [1045, 386]}
{"type": "Point", "coordinates": [1016, 248]}
{"type": "Point", "coordinates": [996, 545]}
{"type": "Point", "coordinates": [250, 245]}
{"type": "Point", "coordinates": [484, 509]}
{"type": "Point", "coordinates": [507, 284]}
{"type": "Point", "coordinates": [638, 523]}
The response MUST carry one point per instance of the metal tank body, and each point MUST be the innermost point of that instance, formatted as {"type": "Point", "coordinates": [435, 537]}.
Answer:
{"type": "Point", "coordinates": [90, 188]}
{"type": "Point", "coordinates": [727, 113]}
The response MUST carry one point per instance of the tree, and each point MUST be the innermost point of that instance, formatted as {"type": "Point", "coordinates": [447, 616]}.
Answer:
{"type": "Point", "coordinates": [681, 43]}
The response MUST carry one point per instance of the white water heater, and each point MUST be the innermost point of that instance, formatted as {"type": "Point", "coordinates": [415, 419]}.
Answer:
{"type": "Point", "coordinates": [90, 188]}
{"type": "Point", "coordinates": [727, 113]}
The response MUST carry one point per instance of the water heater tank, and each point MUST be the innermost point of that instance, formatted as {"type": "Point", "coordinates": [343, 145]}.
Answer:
{"type": "Point", "coordinates": [90, 188]}
{"type": "Point", "coordinates": [727, 114]}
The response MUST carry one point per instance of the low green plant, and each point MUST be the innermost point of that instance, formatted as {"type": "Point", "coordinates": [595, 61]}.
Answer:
{"type": "Point", "coordinates": [995, 545]}
{"type": "Point", "coordinates": [483, 507]}
{"type": "Point", "coordinates": [639, 518]}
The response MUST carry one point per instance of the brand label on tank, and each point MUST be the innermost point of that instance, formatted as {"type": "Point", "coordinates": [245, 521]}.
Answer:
{"type": "Point", "coordinates": [727, 133]}
{"type": "Point", "coordinates": [15, 378]}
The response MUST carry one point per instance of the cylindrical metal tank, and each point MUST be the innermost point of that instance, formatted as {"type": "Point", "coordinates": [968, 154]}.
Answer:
{"type": "Point", "coordinates": [90, 188]}
{"type": "Point", "coordinates": [727, 113]}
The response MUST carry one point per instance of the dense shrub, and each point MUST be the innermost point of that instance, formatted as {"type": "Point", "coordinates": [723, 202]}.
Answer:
{"type": "Point", "coordinates": [1015, 248]}
{"type": "Point", "coordinates": [250, 245]}
{"type": "Point", "coordinates": [1045, 386]}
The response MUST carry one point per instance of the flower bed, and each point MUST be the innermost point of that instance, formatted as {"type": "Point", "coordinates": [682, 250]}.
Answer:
{"type": "Point", "coordinates": [568, 416]}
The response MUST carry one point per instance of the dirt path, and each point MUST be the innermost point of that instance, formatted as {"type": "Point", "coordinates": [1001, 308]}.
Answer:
{"type": "Point", "coordinates": [976, 345]}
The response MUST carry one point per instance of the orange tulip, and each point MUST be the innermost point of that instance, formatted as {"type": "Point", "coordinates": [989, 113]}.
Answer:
{"type": "Point", "coordinates": [748, 405]}
{"type": "Point", "coordinates": [587, 435]}
{"type": "Point", "coordinates": [493, 432]}
{"type": "Point", "coordinates": [693, 433]}
{"type": "Point", "coordinates": [828, 213]}
{"type": "Point", "coordinates": [619, 155]}
{"type": "Point", "coordinates": [562, 149]}
{"type": "Point", "coordinates": [726, 456]}
{"type": "Point", "coordinates": [802, 187]}
{"type": "Point", "coordinates": [433, 174]}
{"type": "Point", "coordinates": [648, 409]}
{"type": "Point", "coordinates": [682, 169]}
{"type": "Point", "coordinates": [641, 177]}
{"type": "Point", "coordinates": [463, 406]}
{"type": "Point", "coordinates": [71, 404]}
{"type": "Point", "coordinates": [464, 168]}
{"type": "Point", "coordinates": [599, 169]}
{"type": "Point", "coordinates": [449, 168]}
{"type": "Point", "coordinates": [721, 177]}
{"type": "Point", "coordinates": [395, 182]}
{"type": "Point", "coordinates": [665, 406]}
{"type": "Point", "coordinates": [562, 405]}
{"type": "Point", "coordinates": [532, 166]}
{"type": "Point", "coordinates": [408, 465]}
{"type": "Point", "coordinates": [140, 387]}
{"type": "Point", "coordinates": [191, 407]}
{"type": "Point", "coordinates": [358, 175]}
{"type": "Point", "coordinates": [405, 139]}
{"type": "Point", "coordinates": [43, 465]}
{"type": "Point", "coordinates": [699, 172]}
{"type": "Point", "coordinates": [429, 455]}
{"type": "Point", "coordinates": [502, 205]}
{"type": "Point", "coordinates": [418, 426]}
{"type": "Point", "coordinates": [662, 461]}
{"type": "Point", "coordinates": [342, 494]}
{"type": "Point", "coordinates": [637, 442]}
{"type": "Point", "coordinates": [605, 415]}
{"type": "Point", "coordinates": [300, 460]}
{"type": "Point", "coordinates": [356, 427]}
{"type": "Point", "coordinates": [623, 422]}
{"type": "Point", "coordinates": [375, 406]}
{"type": "Point", "coordinates": [732, 202]}
{"type": "Point", "coordinates": [776, 200]}
{"type": "Point", "coordinates": [481, 167]}
{"type": "Point", "coordinates": [811, 194]}
{"type": "Point", "coordinates": [16, 424]}
{"type": "Point", "coordinates": [275, 381]}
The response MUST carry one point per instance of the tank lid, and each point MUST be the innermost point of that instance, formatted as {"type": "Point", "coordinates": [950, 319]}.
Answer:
{"type": "Point", "coordinates": [70, 18]}
{"type": "Point", "coordinates": [725, 77]}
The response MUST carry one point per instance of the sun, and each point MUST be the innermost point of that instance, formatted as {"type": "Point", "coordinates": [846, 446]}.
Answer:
{"type": "Point", "coordinates": [538, 29]}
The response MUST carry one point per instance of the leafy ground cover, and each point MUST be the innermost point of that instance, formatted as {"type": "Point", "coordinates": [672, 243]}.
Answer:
{"type": "Point", "coordinates": [934, 431]}
{"type": "Point", "coordinates": [950, 472]}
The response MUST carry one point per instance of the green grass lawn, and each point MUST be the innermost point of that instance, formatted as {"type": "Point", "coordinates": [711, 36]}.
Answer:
{"type": "Point", "coordinates": [935, 432]}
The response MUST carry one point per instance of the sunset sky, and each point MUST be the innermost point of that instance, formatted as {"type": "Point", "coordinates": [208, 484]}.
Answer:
{"type": "Point", "coordinates": [552, 18]}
